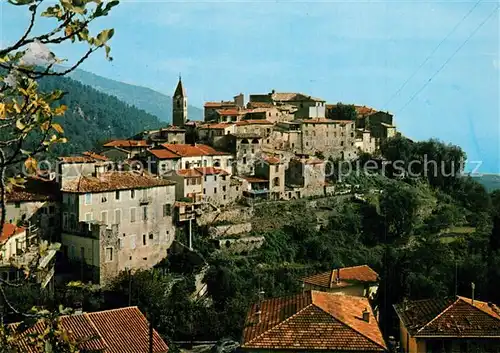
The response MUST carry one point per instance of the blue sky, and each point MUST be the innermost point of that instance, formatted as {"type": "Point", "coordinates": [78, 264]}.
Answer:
{"type": "Point", "coordinates": [350, 51]}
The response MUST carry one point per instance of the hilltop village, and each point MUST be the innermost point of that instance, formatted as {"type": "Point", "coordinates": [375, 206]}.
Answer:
{"type": "Point", "coordinates": [130, 204]}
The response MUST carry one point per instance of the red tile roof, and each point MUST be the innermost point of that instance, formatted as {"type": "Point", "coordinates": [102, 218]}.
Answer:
{"type": "Point", "coordinates": [252, 179]}
{"type": "Point", "coordinates": [290, 97]}
{"type": "Point", "coordinates": [348, 276]}
{"type": "Point", "coordinates": [212, 171]}
{"type": "Point", "coordinates": [260, 105]}
{"type": "Point", "coordinates": [185, 150]}
{"type": "Point", "coordinates": [271, 159]}
{"type": "Point", "coordinates": [76, 159]}
{"type": "Point", "coordinates": [95, 156]}
{"type": "Point", "coordinates": [127, 143]}
{"type": "Point", "coordinates": [164, 154]}
{"type": "Point", "coordinates": [124, 330]}
{"type": "Point", "coordinates": [9, 230]}
{"type": "Point", "coordinates": [230, 112]}
{"type": "Point", "coordinates": [34, 189]}
{"type": "Point", "coordinates": [111, 181]}
{"type": "Point", "coordinates": [448, 317]}
{"type": "Point", "coordinates": [364, 111]}
{"type": "Point", "coordinates": [216, 126]}
{"type": "Point", "coordinates": [313, 321]}
{"type": "Point", "coordinates": [254, 122]}
{"type": "Point", "coordinates": [219, 104]}
{"type": "Point", "coordinates": [189, 173]}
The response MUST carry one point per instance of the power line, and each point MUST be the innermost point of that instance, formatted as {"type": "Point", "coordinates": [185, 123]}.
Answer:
{"type": "Point", "coordinates": [448, 60]}
{"type": "Point", "coordinates": [432, 53]}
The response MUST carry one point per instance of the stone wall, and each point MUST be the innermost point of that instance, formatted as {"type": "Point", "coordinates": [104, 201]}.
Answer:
{"type": "Point", "coordinates": [229, 230]}
{"type": "Point", "coordinates": [240, 245]}
{"type": "Point", "coordinates": [234, 215]}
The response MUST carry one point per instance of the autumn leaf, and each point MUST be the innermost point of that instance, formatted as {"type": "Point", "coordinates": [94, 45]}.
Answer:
{"type": "Point", "coordinates": [30, 164]}
{"type": "Point", "coordinates": [58, 128]}
{"type": "Point", "coordinates": [60, 110]}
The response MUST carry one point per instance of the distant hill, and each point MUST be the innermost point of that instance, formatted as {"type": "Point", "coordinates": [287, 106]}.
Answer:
{"type": "Point", "coordinates": [144, 98]}
{"type": "Point", "coordinates": [94, 117]}
{"type": "Point", "coordinates": [490, 181]}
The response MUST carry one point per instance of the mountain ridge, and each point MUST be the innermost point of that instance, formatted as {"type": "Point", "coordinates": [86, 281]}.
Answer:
{"type": "Point", "coordinates": [147, 99]}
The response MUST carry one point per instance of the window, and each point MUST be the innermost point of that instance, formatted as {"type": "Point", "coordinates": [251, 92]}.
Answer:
{"type": "Point", "coordinates": [276, 182]}
{"type": "Point", "coordinates": [144, 213]}
{"type": "Point", "coordinates": [215, 177]}
{"type": "Point", "coordinates": [118, 216]}
{"type": "Point", "coordinates": [151, 236]}
{"type": "Point", "coordinates": [120, 243]}
{"type": "Point", "coordinates": [205, 162]}
{"type": "Point", "coordinates": [88, 199]}
{"type": "Point", "coordinates": [109, 254]}
{"type": "Point", "coordinates": [132, 215]}
{"type": "Point", "coordinates": [144, 239]}
{"type": "Point", "coordinates": [342, 143]}
{"type": "Point", "coordinates": [132, 194]}
{"type": "Point", "coordinates": [224, 188]}
{"type": "Point", "coordinates": [204, 191]}
{"type": "Point", "coordinates": [277, 168]}
{"type": "Point", "coordinates": [104, 199]}
{"type": "Point", "coordinates": [132, 241]}
{"type": "Point", "coordinates": [163, 167]}
{"type": "Point", "coordinates": [117, 195]}
{"type": "Point", "coordinates": [104, 217]}
{"type": "Point", "coordinates": [215, 190]}
{"type": "Point", "coordinates": [244, 160]}
{"type": "Point", "coordinates": [167, 210]}
{"type": "Point", "coordinates": [205, 178]}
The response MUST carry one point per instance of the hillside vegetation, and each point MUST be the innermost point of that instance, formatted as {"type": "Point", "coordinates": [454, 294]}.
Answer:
{"type": "Point", "coordinates": [144, 98]}
{"type": "Point", "coordinates": [93, 117]}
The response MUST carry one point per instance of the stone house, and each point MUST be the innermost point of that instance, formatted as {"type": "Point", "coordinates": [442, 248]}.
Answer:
{"type": "Point", "coordinates": [37, 203]}
{"type": "Point", "coordinates": [287, 136]}
{"type": "Point", "coordinates": [131, 216]}
{"type": "Point", "coordinates": [448, 325]}
{"type": "Point", "coordinates": [270, 112]}
{"type": "Point", "coordinates": [216, 135]}
{"type": "Point", "coordinates": [332, 138]}
{"type": "Point", "coordinates": [312, 321]}
{"type": "Point", "coordinates": [306, 106]}
{"type": "Point", "coordinates": [133, 147]}
{"type": "Point", "coordinates": [216, 186]}
{"type": "Point", "coordinates": [359, 281]}
{"type": "Point", "coordinates": [197, 156]}
{"type": "Point", "coordinates": [211, 109]}
{"type": "Point", "coordinates": [308, 174]}
{"type": "Point", "coordinates": [260, 127]}
{"type": "Point", "coordinates": [365, 142]}
{"type": "Point", "coordinates": [272, 169]}
{"type": "Point", "coordinates": [170, 134]}
{"type": "Point", "coordinates": [247, 150]}
{"type": "Point", "coordinates": [188, 184]}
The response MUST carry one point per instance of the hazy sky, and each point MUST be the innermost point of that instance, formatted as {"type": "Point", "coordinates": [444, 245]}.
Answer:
{"type": "Point", "coordinates": [350, 51]}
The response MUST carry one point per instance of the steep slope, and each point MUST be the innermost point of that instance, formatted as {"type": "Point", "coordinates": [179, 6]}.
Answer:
{"type": "Point", "coordinates": [144, 98]}
{"type": "Point", "coordinates": [93, 117]}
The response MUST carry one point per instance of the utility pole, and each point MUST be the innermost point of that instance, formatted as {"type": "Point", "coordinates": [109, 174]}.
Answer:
{"type": "Point", "coordinates": [190, 236]}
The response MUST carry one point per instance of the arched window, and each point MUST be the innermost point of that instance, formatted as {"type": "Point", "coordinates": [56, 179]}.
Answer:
{"type": "Point", "coordinates": [276, 181]}
{"type": "Point", "coordinates": [244, 141]}
{"type": "Point", "coordinates": [255, 141]}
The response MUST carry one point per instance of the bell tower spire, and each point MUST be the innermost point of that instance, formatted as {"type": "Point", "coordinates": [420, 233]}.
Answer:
{"type": "Point", "coordinates": [179, 105]}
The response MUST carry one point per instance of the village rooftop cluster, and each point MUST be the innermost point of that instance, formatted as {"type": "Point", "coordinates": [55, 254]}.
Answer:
{"type": "Point", "coordinates": [107, 220]}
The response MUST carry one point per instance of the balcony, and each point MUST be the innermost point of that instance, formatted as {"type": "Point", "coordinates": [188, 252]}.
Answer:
{"type": "Point", "coordinates": [144, 201]}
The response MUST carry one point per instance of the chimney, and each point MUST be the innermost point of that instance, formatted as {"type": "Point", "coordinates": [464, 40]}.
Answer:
{"type": "Point", "coordinates": [366, 315]}
{"type": "Point", "coordinates": [473, 288]}
{"type": "Point", "coordinates": [258, 314]}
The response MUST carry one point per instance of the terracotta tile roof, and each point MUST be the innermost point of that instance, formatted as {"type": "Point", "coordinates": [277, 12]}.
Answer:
{"type": "Point", "coordinates": [446, 317]}
{"type": "Point", "coordinates": [127, 143]}
{"type": "Point", "coordinates": [216, 126]}
{"type": "Point", "coordinates": [211, 171]}
{"type": "Point", "coordinates": [76, 159]}
{"type": "Point", "coordinates": [348, 276]}
{"type": "Point", "coordinates": [313, 321]}
{"type": "Point", "coordinates": [164, 154]}
{"type": "Point", "coordinates": [253, 179]}
{"type": "Point", "coordinates": [230, 112]}
{"type": "Point", "coordinates": [34, 189]}
{"type": "Point", "coordinates": [111, 181]}
{"type": "Point", "coordinates": [9, 230]}
{"type": "Point", "coordinates": [219, 104]}
{"type": "Point", "coordinates": [124, 330]}
{"type": "Point", "coordinates": [290, 97]}
{"type": "Point", "coordinates": [271, 159]}
{"type": "Point", "coordinates": [363, 110]}
{"type": "Point", "coordinates": [260, 105]}
{"type": "Point", "coordinates": [186, 150]}
{"type": "Point", "coordinates": [254, 122]}
{"type": "Point", "coordinates": [189, 173]}
{"type": "Point", "coordinates": [95, 156]}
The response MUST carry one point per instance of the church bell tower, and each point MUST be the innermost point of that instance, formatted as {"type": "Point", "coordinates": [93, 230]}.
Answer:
{"type": "Point", "coordinates": [179, 105]}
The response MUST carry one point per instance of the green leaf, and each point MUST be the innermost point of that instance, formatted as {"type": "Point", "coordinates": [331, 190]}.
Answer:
{"type": "Point", "coordinates": [105, 35]}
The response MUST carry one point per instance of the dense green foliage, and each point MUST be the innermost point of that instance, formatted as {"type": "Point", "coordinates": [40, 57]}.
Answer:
{"type": "Point", "coordinates": [490, 181]}
{"type": "Point", "coordinates": [149, 100]}
{"type": "Point", "coordinates": [93, 117]}
{"type": "Point", "coordinates": [342, 112]}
